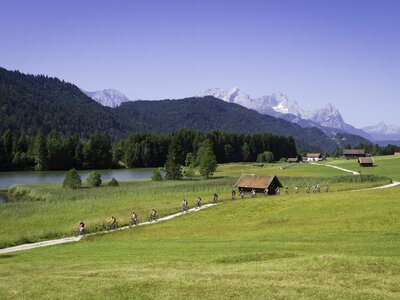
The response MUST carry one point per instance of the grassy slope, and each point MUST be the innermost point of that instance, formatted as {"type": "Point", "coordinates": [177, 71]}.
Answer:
{"type": "Point", "coordinates": [384, 165]}
{"type": "Point", "coordinates": [327, 246]}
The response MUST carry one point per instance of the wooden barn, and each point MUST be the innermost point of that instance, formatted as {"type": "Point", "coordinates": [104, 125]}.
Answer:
{"type": "Point", "coordinates": [293, 160]}
{"type": "Point", "coordinates": [248, 182]}
{"type": "Point", "coordinates": [314, 156]}
{"type": "Point", "coordinates": [353, 153]}
{"type": "Point", "coordinates": [366, 161]}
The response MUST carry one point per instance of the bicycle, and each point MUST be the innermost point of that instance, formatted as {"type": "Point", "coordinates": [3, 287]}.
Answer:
{"type": "Point", "coordinates": [133, 222]}
{"type": "Point", "coordinates": [153, 218]}
{"type": "Point", "coordinates": [112, 226]}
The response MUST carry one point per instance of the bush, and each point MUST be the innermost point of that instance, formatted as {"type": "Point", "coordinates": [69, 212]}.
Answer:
{"type": "Point", "coordinates": [283, 159]}
{"type": "Point", "coordinates": [72, 179]}
{"type": "Point", "coordinates": [94, 179]}
{"type": "Point", "coordinates": [266, 157]}
{"type": "Point", "coordinates": [113, 182]}
{"type": "Point", "coordinates": [156, 175]}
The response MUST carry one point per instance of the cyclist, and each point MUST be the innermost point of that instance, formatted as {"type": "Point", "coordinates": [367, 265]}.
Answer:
{"type": "Point", "coordinates": [197, 202]}
{"type": "Point", "coordinates": [241, 194]}
{"type": "Point", "coordinates": [307, 189]}
{"type": "Point", "coordinates": [215, 198]}
{"type": "Point", "coordinates": [253, 193]}
{"type": "Point", "coordinates": [112, 224]}
{"type": "Point", "coordinates": [286, 190]}
{"type": "Point", "coordinates": [185, 205]}
{"type": "Point", "coordinates": [277, 190]}
{"type": "Point", "coordinates": [153, 215]}
{"type": "Point", "coordinates": [81, 228]}
{"type": "Point", "coordinates": [233, 195]}
{"type": "Point", "coordinates": [296, 189]}
{"type": "Point", "coordinates": [266, 192]}
{"type": "Point", "coordinates": [134, 220]}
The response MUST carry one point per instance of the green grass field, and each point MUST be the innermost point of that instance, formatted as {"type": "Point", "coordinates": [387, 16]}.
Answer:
{"type": "Point", "coordinates": [337, 245]}
{"type": "Point", "coordinates": [384, 165]}
{"type": "Point", "coordinates": [327, 246]}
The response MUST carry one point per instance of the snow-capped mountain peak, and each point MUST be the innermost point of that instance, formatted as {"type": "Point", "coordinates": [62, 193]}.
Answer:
{"type": "Point", "coordinates": [108, 97]}
{"type": "Point", "coordinates": [328, 116]}
{"type": "Point", "coordinates": [382, 128]}
{"type": "Point", "coordinates": [279, 104]}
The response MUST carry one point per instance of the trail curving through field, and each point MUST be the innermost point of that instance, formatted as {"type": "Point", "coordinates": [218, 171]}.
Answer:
{"type": "Point", "coordinates": [77, 239]}
{"type": "Point", "coordinates": [336, 167]}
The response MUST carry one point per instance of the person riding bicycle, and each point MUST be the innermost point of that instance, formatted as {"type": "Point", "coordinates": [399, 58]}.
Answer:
{"type": "Point", "coordinates": [307, 189]}
{"type": "Point", "coordinates": [266, 192]}
{"type": "Point", "coordinates": [153, 215]}
{"type": "Point", "coordinates": [241, 194]}
{"type": "Point", "coordinates": [286, 190]}
{"type": "Point", "coordinates": [134, 218]}
{"type": "Point", "coordinates": [197, 202]}
{"type": "Point", "coordinates": [185, 205]}
{"type": "Point", "coordinates": [215, 198]}
{"type": "Point", "coordinates": [253, 193]}
{"type": "Point", "coordinates": [277, 191]}
{"type": "Point", "coordinates": [81, 228]}
{"type": "Point", "coordinates": [296, 189]}
{"type": "Point", "coordinates": [233, 195]}
{"type": "Point", "coordinates": [112, 224]}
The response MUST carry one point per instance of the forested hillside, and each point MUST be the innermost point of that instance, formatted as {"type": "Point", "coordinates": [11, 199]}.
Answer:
{"type": "Point", "coordinates": [31, 103]}
{"type": "Point", "coordinates": [208, 114]}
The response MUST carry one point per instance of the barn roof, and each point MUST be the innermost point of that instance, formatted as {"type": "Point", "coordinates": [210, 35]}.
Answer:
{"type": "Point", "coordinates": [313, 154]}
{"type": "Point", "coordinates": [256, 181]}
{"type": "Point", "coordinates": [353, 151]}
{"type": "Point", "coordinates": [293, 159]}
{"type": "Point", "coordinates": [365, 160]}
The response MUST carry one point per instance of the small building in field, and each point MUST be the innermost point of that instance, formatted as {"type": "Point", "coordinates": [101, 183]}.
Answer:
{"type": "Point", "coordinates": [397, 154]}
{"type": "Point", "coordinates": [293, 160]}
{"type": "Point", "coordinates": [366, 161]}
{"type": "Point", "coordinates": [248, 182]}
{"type": "Point", "coordinates": [353, 153]}
{"type": "Point", "coordinates": [314, 156]}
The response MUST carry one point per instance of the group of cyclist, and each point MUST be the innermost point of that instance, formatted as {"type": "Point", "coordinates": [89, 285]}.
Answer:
{"type": "Point", "coordinates": [112, 223]}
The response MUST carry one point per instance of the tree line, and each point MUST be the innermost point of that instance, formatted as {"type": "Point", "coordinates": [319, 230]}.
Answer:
{"type": "Point", "coordinates": [27, 151]}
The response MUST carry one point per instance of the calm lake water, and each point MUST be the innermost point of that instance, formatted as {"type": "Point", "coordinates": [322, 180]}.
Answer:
{"type": "Point", "coordinates": [7, 179]}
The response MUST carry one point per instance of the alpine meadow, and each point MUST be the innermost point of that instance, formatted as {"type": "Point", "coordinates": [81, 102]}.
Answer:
{"type": "Point", "coordinates": [199, 150]}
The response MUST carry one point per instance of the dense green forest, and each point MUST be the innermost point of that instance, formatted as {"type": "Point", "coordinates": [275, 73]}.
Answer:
{"type": "Point", "coordinates": [33, 103]}
{"type": "Point", "coordinates": [39, 103]}
{"type": "Point", "coordinates": [22, 151]}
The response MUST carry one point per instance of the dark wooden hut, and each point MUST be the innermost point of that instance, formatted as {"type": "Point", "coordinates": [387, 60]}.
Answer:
{"type": "Point", "coordinates": [366, 161]}
{"type": "Point", "coordinates": [248, 182]}
{"type": "Point", "coordinates": [293, 160]}
{"type": "Point", "coordinates": [353, 153]}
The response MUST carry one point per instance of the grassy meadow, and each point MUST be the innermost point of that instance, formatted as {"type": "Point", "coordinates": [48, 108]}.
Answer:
{"type": "Point", "coordinates": [327, 246]}
{"type": "Point", "coordinates": [337, 245]}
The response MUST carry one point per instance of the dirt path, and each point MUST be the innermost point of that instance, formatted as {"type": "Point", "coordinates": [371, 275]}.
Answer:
{"type": "Point", "coordinates": [77, 239]}
{"type": "Point", "coordinates": [336, 167]}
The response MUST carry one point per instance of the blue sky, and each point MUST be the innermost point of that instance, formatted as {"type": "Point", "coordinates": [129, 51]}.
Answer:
{"type": "Point", "coordinates": [344, 52]}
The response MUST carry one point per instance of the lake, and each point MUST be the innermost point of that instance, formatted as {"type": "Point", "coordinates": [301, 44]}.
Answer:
{"type": "Point", "coordinates": [7, 179]}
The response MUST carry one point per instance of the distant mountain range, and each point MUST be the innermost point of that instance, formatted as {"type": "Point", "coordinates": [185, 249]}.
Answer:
{"type": "Point", "coordinates": [381, 131]}
{"type": "Point", "coordinates": [31, 103]}
{"type": "Point", "coordinates": [328, 118]}
{"type": "Point", "coordinates": [109, 97]}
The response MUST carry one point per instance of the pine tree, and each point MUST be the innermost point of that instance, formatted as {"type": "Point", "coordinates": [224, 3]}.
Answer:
{"type": "Point", "coordinates": [40, 152]}
{"type": "Point", "coordinates": [172, 165]}
{"type": "Point", "coordinates": [206, 159]}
